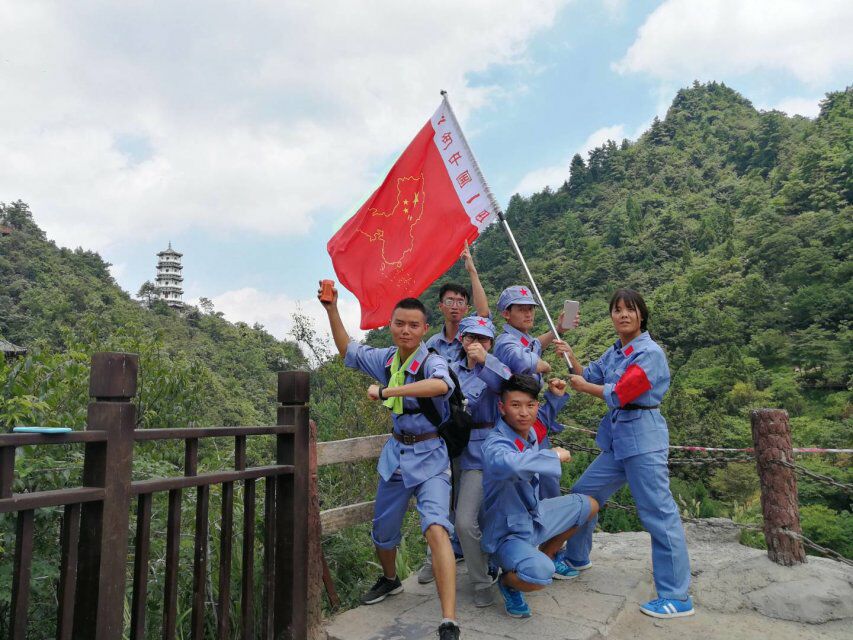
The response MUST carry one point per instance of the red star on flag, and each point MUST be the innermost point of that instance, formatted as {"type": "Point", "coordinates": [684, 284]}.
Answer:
{"type": "Point", "coordinates": [523, 291]}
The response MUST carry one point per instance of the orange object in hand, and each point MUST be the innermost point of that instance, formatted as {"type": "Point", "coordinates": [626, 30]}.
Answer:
{"type": "Point", "coordinates": [326, 290]}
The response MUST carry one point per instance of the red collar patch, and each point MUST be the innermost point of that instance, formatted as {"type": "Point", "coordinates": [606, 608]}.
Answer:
{"type": "Point", "coordinates": [540, 429]}
{"type": "Point", "coordinates": [525, 341]}
{"type": "Point", "coordinates": [415, 365]}
{"type": "Point", "coordinates": [519, 444]}
{"type": "Point", "coordinates": [629, 350]}
{"type": "Point", "coordinates": [390, 360]}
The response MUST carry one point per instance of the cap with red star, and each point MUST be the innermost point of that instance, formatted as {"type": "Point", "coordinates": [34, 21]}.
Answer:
{"type": "Point", "coordinates": [477, 325]}
{"type": "Point", "coordinates": [515, 295]}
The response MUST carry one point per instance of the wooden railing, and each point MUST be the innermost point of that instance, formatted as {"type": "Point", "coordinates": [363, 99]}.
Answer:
{"type": "Point", "coordinates": [95, 525]}
{"type": "Point", "coordinates": [341, 451]}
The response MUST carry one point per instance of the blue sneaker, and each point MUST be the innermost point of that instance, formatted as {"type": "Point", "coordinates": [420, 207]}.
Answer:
{"type": "Point", "coordinates": [563, 571]}
{"type": "Point", "coordinates": [563, 556]}
{"type": "Point", "coordinates": [514, 602]}
{"type": "Point", "coordinates": [668, 608]}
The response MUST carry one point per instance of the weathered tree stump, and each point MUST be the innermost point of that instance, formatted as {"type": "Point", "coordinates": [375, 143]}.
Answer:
{"type": "Point", "coordinates": [771, 435]}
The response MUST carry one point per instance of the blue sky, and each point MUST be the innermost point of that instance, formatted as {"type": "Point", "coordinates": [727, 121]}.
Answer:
{"type": "Point", "coordinates": [245, 133]}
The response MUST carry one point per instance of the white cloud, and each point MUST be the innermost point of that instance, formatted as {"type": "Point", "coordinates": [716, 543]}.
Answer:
{"type": "Point", "coordinates": [551, 176]}
{"type": "Point", "coordinates": [127, 120]}
{"type": "Point", "coordinates": [275, 311]}
{"type": "Point", "coordinates": [118, 271]}
{"type": "Point", "coordinates": [808, 107]}
{"type": "Point", "coordinates": [683, 40]}
{"type": "Point", "coordinates": [555, 175]}
{"type": "Point", "coordinates": [615, 8]}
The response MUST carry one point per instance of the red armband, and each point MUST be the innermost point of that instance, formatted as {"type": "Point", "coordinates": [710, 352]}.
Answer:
{"type": "Point", "coordinates": [633, 383]}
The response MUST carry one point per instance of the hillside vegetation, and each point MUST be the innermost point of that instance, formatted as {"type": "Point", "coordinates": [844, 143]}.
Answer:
{"type": "Point", "coordinates": [736, 225]}
{"type": "Point", "coordinates": [56, 300]}
{"type": "Point", "coordinates": [196, 369]}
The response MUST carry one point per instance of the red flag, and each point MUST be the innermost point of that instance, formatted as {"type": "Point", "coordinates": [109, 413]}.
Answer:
{"type": "Point", "coordinates": [413, 227]}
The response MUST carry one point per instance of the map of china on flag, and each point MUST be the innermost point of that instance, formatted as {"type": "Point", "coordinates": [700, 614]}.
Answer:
{"type": "Point", "coordinates": [414, 226]}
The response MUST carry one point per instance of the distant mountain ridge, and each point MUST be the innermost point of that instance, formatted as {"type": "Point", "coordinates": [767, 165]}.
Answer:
{"type": "Point", "coordinates": [58, 299]}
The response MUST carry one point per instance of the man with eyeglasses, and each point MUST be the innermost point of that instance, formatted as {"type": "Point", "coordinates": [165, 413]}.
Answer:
{"type": "Point", "coordinates": [453, 303]}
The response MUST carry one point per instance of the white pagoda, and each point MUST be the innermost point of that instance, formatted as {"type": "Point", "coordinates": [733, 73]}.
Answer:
{"type": "Point", "coordinates": [169, 278]}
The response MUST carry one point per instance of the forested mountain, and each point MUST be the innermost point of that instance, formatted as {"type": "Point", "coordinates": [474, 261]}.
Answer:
{"type": "Point", "coordinates": [63, 305]}
{"type": "Point", "coordinates": [737, 226]}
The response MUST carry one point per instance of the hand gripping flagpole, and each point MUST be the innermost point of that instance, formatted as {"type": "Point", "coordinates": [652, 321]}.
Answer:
{"type": "Point", "coordinates": [505, 224]}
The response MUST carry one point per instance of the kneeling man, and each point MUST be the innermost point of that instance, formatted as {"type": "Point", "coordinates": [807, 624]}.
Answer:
{"type": "Point", "coordinates": [522, 532]}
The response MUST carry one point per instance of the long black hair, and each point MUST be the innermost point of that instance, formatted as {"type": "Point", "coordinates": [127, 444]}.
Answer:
{"type": "Point", "coordinates": [632, 300]}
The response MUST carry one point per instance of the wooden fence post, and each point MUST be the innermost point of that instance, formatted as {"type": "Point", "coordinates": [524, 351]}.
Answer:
{"type": "Point", "coordinates": [291, 532]}
{"type": "Point", "coordinates": [316, 563]}
{"type": "Point", "coordinates": [771, 436]}
{"type": "Point", "coordinates": [102, 555]}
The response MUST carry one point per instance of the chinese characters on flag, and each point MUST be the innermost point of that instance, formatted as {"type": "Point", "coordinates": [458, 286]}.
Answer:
{"type": "Point", "coordinates": [413, 227]}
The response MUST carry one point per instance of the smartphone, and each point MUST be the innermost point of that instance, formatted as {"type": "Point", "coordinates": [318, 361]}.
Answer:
{"type": "Point", "coordinates": [570, 310]}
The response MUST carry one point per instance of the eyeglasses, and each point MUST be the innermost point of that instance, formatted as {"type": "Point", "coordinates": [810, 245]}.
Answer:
{"type": "Point", "coordinates": [470, 337]}
{"type": "Point", "coordinates": [454, 302]}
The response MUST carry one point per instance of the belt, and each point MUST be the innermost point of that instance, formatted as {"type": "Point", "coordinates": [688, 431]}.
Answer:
{"type": "Point", "coordinates": [411, 438]}
{"type": "Point", "coordinates": [641, 406]}
{"type": "Point", "coordinates": [483, 425]}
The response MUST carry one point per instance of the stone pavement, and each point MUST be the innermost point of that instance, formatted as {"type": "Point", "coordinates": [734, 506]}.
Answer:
{"type": "Point", "coordinates": [738, 593]}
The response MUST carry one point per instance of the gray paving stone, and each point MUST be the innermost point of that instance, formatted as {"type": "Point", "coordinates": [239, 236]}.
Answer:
{"type": "Point", "coordinates": [590, 605]}
{"type": "Point", "coordinates": [737, 591]}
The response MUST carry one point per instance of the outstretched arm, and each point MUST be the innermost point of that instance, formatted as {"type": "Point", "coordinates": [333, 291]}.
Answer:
{"type": "Point", "coordinates": [339, 332]}
{"type": "Point", "coordinates": [591, 381]}
{"type": "Point", "coordinates": [579, 384]}
{"type": "Point", "coordinates": [481, 302]}
{"type": "Point", "coordinates": [502, 461]}
{"type": "Point", "coordinates": [548, 337]}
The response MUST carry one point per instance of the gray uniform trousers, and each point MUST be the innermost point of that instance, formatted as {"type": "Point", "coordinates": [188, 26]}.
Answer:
{"type": "Point", "coordinates": [468, 503]}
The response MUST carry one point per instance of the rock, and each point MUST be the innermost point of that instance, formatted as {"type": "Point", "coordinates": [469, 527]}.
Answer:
{"type": "Point", "coordinates": [814, 593]}
{"type": "Point", "coordinates": [738, 591]}
{"type": "Point", "coordinates": [813, 600]}
{"type": "Point", "coordinates": [713, 530]}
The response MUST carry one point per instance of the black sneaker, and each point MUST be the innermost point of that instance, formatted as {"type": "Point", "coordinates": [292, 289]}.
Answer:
{"type": "Point", "coordinates": [381, 590]}
{"type": "Point", "coordinates": [448, 631]}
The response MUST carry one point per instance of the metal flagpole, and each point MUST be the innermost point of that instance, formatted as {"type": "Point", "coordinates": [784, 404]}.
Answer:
{"type": "Point", "coordinates": [506, 226]}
